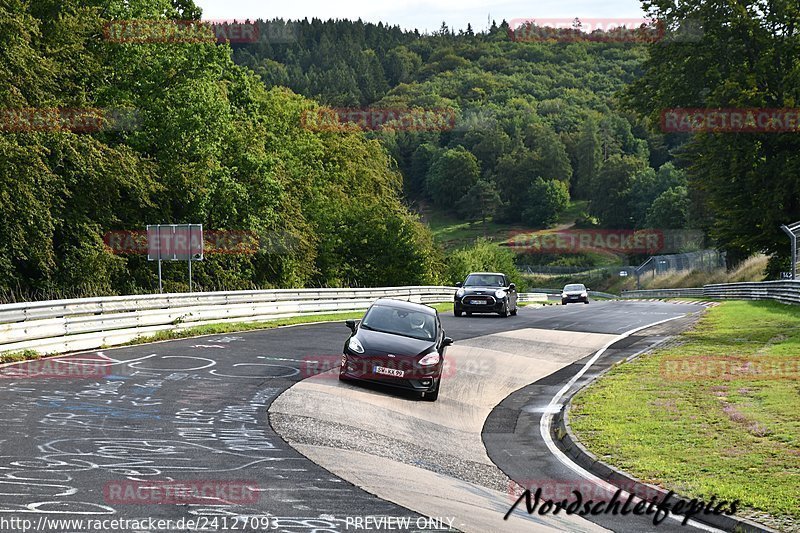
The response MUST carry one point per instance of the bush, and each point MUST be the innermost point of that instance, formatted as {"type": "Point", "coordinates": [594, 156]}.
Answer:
{"type": "Point", "coordinates": [482, 256]}
{"type": "Point", "coordinates": [451, 176]}
{"type": "Point", "coordinates": [546, 200]}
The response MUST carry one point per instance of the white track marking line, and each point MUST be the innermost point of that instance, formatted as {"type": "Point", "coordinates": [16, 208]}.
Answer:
{"type": "Point", "coordinates": [545, 424]}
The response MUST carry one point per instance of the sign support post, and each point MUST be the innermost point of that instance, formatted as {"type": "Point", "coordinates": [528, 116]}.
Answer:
{"type": "Point", "coordinates": [791, 232]}
{"type": "Point", "coordinates": [178, 242]}
{"type": "Point", "coordinates": [160, 281]}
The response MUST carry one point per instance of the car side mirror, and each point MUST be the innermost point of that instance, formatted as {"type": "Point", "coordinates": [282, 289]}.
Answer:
{"type": "Point", "coordinates": [351, 324]}
{"type": "Point", "coordinates": [447, 341]}
{"type": "Point", "coordinates": [459, 284]}
{"type": "Point", "coordinates": [512, 286]}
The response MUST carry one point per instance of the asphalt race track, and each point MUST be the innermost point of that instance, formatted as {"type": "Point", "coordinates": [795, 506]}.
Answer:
{"type": "Point", "coordinates": [344, 458]}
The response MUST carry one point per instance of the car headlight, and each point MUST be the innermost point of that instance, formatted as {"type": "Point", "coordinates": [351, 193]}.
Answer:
{"type": "Point", "coordinates": [355, 345]}
{"type": "Point", "coordinates": [584, 294]}
{"type": "Point", "coordinates": [500, 293]}
{"type": "Point", "coordinates": [460, 293]}
{"type": "Point", "coordinates": [430, 359]}
{"type": "Point", "coordinates": [563, 294]}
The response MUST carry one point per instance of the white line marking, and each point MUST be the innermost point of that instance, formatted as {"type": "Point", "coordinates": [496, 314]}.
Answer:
{"type": "Point", "coordinates": [545, 423]}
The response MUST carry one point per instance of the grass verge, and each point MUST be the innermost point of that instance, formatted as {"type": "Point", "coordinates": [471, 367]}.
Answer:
{"type": "Point", "coordinates": [237, 327]}
{"type": "Point", "coordinates": [15, 357]}
{"type": "Point", "coordinates": [716, 413]}
{"type": "Point", "coordinates": [452, 233]}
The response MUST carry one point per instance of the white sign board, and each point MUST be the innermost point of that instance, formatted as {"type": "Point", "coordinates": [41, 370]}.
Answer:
{"type": "Point", "coordinates": [175, 242]}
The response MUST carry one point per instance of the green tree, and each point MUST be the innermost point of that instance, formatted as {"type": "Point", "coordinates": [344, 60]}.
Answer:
{"type": "Point", "coordinates": [514, 174]}
{"type": "Point", "coordinates": [647, 185]}
{"type": "Point", "coordinates": [210, 144]}
{"type": "Point", "coordinates": [589, 156]}
{"type": "Point", "coordinates": [670, 210]}
{"type": "Point", "coordinates": [402, 65]}
{"type": "Point", "coordinates": [371, 77]}
{"type": "Point", "coordinates": [451, 176]}
{"type": "Point", "coordinates": [488, 146]}
{"type": "Point", "coordinates": [549, 151]}
{"type": "Point", "coordinates": [421, 162]}
{"type": "Point", "coordinates": [611, 191]}
{"type": "Point", "coordinates": [546, 199]}
{"type": "Point", "coordinates": [480, 202]}
{"type": "Point", "coordinates": [483, 256]}
{"type": "Point", "coordinates": [746, 57]}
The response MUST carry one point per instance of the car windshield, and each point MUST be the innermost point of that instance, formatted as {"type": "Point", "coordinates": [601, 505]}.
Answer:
{"type": "Point", "coordinates": [399, 321]}
{"type": "Point", "coordinates": [574, 288]}
{"type": "Point", "coordinates": [484, 280]}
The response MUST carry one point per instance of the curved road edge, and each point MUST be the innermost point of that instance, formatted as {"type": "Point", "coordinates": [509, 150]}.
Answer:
{"type": "Point", "coordinates": [530, 418]}
{"type": "Point", "coordinates": [565, 439]}
{"type": "Point", "coordinates": [432, 457]}
{"type": "Point", "coordinates": [429, 457]}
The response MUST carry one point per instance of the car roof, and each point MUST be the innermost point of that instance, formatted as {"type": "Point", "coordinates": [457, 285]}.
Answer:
{"type": "Point", "coordinates": [403, 304]}
{"type": "Point", "coordinates": [486, 274]}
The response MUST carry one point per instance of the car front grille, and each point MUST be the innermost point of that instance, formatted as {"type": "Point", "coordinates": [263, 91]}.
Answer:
{"type": "Point", "coordinates": [469, 298]}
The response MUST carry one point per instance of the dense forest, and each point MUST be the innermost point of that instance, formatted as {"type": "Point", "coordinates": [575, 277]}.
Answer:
{"type": "Point", "coordinates": [219, 137]}
{"type": "Point", "coordinates": [537, 123]}
{"type": "Point", "coordinates": [211, 145]}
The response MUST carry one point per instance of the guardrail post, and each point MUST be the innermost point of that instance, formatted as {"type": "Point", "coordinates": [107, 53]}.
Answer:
{"type": "Point", "coordinates": [790, 231]}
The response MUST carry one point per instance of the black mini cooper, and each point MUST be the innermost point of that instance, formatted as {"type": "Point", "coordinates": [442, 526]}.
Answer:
{"type": "Point", "coordinates": [486, 292]}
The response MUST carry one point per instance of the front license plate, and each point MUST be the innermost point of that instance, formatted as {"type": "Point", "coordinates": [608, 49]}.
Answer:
{"type": "Point", "coordinates": [389, 372]}
{"type": "Point", "coordinates": [478, 302]}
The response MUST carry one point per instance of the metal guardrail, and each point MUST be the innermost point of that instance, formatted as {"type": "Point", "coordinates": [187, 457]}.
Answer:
{"type": "Point", "coordinates": [592, 294]}
{"type": "Point", "coordinates": [781, 291]}
{"type": "Point", "coordinates": [531, 297]}
{"type": "Point", "coordinates": [665, 293]}
{"type": "Point", "coordinates": [88, 323]}
{"type": "Point", "coordinates": [557, 270]}
{"type": "Point", "coordinates": [598, 294]}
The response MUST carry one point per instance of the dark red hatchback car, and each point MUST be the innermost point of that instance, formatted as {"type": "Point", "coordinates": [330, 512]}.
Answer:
{"type": "Point", "coordinates": [397, 344]}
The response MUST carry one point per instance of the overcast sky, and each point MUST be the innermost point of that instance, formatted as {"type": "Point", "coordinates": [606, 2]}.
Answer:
{"type": "Point", "coordinates": [423, 15]}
